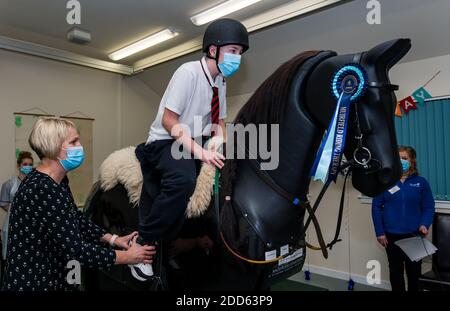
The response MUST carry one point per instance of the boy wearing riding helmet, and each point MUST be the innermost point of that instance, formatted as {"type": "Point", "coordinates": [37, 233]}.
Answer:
{"type": "Point", "coordinates": [196, 93]}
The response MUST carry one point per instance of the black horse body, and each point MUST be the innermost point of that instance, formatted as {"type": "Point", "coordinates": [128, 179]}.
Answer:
{"type": "Point", "coordinates": [258, 220]}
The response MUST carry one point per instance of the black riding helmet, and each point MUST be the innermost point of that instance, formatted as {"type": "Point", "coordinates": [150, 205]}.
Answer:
{"type": "Point", "coordinates": [225, 31]}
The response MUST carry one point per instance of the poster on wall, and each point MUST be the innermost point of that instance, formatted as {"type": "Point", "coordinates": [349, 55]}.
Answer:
{"type": "Point", "coordinates": [23, 124]}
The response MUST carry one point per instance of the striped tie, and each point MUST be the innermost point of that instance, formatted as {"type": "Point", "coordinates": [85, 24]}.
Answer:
{"type": "Point", "coordinates": [215, 109]}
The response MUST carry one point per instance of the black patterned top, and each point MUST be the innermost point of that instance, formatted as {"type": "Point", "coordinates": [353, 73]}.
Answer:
{"type": "Point", "coordinates": [46, 231]}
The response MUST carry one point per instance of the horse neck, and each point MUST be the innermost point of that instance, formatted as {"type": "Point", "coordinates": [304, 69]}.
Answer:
{"type": "Point", "coordinates": [298, 143]}
{"type": "Point", "coordinates": [300, 135]}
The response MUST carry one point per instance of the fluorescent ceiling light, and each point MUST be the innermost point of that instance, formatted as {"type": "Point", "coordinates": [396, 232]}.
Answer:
{"type": "Point", "coordinates": [143, 44]}
{"type": "Point", "coordinates": [271, 17]}
{"type": "Point", "coordinates": [29, 48]}
{"type": "Point", "coordinates": [285, 12]}
{"type": "Point", "coordinates": [220, 10]}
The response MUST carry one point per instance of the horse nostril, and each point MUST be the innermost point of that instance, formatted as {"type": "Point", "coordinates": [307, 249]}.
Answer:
{"type": "Point", "coordinates": [385, 176]}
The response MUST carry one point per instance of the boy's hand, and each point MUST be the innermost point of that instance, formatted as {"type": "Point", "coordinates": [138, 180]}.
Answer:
{"type": "Point", "coordinates": [213, 157]}
{"type": "Point", "coordinates": [215, 143]}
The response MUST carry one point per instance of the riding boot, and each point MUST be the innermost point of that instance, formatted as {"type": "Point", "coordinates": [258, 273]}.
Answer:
{"type": "Point", "coordinates": [159, 279]}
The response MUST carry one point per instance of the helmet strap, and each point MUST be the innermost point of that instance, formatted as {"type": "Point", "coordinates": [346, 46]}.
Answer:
{"type": "Point", "coordinates": [217, 58]}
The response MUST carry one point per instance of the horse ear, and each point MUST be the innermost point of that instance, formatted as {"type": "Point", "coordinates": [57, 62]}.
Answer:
{"type": "Point", "coordinates": [387, 54]}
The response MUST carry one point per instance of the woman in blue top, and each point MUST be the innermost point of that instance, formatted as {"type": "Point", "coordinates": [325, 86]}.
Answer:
{"type": "Point", "coordinates": [9, 188]}
{"type": "Point", "coordinates": [405, 210]}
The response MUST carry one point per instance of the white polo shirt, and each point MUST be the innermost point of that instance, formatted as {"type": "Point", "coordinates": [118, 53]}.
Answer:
{"type": "Point", "coordinates": [189, 95]}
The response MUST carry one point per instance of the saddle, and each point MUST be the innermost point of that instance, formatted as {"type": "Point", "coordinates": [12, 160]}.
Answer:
{"type": "Point", "coordinates": [123, 167]}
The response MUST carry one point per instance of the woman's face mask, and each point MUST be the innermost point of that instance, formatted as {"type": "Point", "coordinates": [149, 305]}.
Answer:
{"type": "Point", "coordinates": [26, 169]}
{"type": "Point", "coordinates": [75, 157]}
{"type": "Point", "coordinates": [405, 165]}
{"type": "Point", "coordinates": [230, 64]}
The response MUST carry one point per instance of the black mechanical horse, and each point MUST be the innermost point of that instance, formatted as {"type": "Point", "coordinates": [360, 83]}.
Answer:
{"type": "Point", "coordinates": [258, 227]}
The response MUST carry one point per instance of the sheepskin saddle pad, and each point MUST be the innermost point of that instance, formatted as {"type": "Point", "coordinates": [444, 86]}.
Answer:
{"type": "Point", "coordinates": [123, 167]}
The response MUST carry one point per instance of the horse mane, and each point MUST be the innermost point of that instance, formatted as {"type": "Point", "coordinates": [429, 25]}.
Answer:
{"type": "Point", "coordinates": [265, 106]}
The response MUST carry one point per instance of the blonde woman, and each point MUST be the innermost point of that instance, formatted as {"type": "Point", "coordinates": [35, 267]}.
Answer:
{"type": "Point", "coordinates": [46, 229]}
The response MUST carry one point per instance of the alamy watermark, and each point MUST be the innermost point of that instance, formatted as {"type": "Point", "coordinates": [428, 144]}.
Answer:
{"type": "Point", "coordinates": [73, 17]}
{"type": "Point", "coordinates": [374, 274]}
{"type": "Point", "coordinates": [74, 275]}
{"type": "Point", "coordinates": [243, 142]}
{"type": "Point", "coordinates": [374, 15]}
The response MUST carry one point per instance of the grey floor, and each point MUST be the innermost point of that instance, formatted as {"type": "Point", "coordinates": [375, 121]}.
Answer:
{"type": "Point", "coordinates": [333, 284]}
{"type": "Point", "coordinates": [321, 282]}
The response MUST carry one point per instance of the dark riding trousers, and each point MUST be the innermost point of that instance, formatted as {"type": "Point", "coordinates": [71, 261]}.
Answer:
{"type": "Point", "coordinates": [168, 184]}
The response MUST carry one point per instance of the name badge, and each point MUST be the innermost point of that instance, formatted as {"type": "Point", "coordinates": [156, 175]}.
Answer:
{"type": "Point", "coordinates": [394, 189]}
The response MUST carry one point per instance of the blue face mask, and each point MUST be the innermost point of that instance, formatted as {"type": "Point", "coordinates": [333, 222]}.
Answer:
{"type": "Point", "coordinates": [230, 64]}
{"type": "Point", "coordinates": [26, 169]}
{"type": "Point", "coordinates": [405, 165]}
{"type": "Point", "coordinates": [75, 157]}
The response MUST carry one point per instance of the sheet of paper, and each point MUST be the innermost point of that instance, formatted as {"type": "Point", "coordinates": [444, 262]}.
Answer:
{"type": "Point", "coordinates": [416, 248]}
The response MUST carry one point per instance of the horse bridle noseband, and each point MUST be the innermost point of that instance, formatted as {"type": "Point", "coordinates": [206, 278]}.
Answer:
{"type": "Point", "coordinates": [362, 155]}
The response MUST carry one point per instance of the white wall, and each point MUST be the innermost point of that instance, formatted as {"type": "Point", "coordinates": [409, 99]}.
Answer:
{"type": "Point", "coordinates": [138, 108]}
{"type": "Point", "coordinates": [412, 75]}
{"type": "Point", "coordinates": [57, 88]}
{"type": "Point", "coordinates": [357, 216]}
{"type": "Point", "coordinates": [122, 107]}
{"type": "Point", "coordinates": [234, 104]}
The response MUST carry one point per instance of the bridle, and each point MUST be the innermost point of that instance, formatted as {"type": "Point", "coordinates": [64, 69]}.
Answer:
{"type": "Point", "coordinates": [362, 159]}
{"type": "Point", "coordinates": [362, 155]}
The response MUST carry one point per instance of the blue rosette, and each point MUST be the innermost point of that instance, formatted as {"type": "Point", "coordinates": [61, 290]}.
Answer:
{"type": "Point", "coordinates": [350, 80]}
{"type": "Point", "coordinates": [348, 86]}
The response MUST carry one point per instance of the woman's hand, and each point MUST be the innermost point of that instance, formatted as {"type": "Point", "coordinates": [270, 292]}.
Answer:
{"type": "Point", "coordinates": [124, 241]}
{"type": "Point", "coordinates": [423, 230]}
{"type": "Point", "coordinates": [213, 157]}
{"type": "Point", "coordinates": [136, 254]}
{"type": "Point", "coordinates": [382, 240]}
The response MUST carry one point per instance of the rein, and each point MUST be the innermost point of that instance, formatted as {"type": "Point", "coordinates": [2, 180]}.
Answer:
{"type": "Point", "coordinates": [362, 158]}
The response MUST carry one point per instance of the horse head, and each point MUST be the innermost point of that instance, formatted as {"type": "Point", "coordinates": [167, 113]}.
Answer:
{"type": "Point", "coordinates": [371, 140]}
